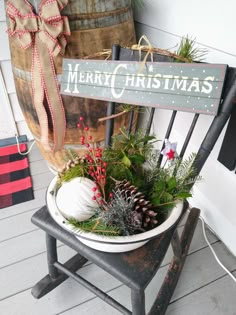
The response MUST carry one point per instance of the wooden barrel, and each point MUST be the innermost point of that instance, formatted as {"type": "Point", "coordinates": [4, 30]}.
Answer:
{"type": "Point", "coordinates": [95, 25]}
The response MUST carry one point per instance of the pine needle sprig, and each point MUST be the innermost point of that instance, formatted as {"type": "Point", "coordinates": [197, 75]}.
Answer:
{"type": "Point", "coordinates": [119, 213]}
{"type": "Point", "coordinates": [186, 172]}
{"type": "Point", "coordinates": [94, 225]}
{"type": "Point", "coordinates": [188, 49]}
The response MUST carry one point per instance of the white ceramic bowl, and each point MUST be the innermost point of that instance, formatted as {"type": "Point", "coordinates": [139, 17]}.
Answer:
{"type": "Point", "coordinates": [116, 244]}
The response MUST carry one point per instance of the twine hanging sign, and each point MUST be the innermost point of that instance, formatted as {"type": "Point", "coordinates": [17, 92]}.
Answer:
{"type": "Point", "coordinates": [181, 86]}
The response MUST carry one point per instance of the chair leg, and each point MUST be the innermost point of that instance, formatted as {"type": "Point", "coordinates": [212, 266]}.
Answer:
{"type": "Point", "coordinates": [138, 302]}
{"type": "Point", "coordinates": [167, 289]}
{"type": "Point", "coordinates": [51, 244]}
{"type": "Point", "coordinates": [54, 277]}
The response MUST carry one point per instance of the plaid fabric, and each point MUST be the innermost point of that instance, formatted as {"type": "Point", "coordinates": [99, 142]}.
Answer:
{"type": "Point", "coordinates": [15, 180]}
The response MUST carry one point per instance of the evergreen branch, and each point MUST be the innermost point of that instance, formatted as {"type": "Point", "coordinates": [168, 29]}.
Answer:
{"type": "Point", "coordinates": [94, 226]}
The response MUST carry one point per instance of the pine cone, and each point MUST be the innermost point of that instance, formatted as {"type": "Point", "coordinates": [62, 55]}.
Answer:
{"type": "Point", "coordinates": [70, 164]}
{"type": "Point", "coordinates": [143, 216]}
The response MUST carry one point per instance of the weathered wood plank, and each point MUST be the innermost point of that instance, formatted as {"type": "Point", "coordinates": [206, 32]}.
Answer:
{"type": "Point", "coordinates": [193, 281]}
{"type": "Point", "coordinates": [38, 167]}
{"type": "Point", "coordinates": [30, 264]}
{"type": "Point", "coordinates": [32, 261]}
{"type": "Point", "coordinates": [66, 296]}
{"type": "Point", "coordinates": [198, 242]}
{"type": "Point", "coordinates": [16, 225]}
{"type": "Point", "coordinates": [39, 180]}
{"type": "Point", "coordinates": [13, 278]}
{"type": "Point", "coordinates": [22, 247]}
{"type": "Point", "coordinates": [201, 268]}
{"type": "Point", "coordinates": [217, 298]}
{"type": "Point", "coordinates": [36, 203]}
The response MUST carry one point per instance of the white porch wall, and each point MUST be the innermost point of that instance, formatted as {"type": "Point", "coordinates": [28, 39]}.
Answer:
{"type": "Point", "coordinates": [213, 24]}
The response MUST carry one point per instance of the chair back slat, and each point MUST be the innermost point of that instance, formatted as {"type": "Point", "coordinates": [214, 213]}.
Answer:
{"type": "Point", "coordinates": [109, 124]}
{"type": "Point", "coordinates": [217, 125]}
{"type": "Point", "coordinates": [167, 135]}
{"type": "Point", "coordinates": [150, 121]}
{"type": "Point", "coordinates": [131, 120]}
{"type": "Point", "coordinates": [111, 105]}
{"type": "Point", "coordinates": [188, 137]}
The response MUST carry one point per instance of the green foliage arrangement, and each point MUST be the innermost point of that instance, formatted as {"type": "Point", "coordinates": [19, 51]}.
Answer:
{"type": "Point", "coordinates": [188, 50]}
{"type": "Point", "coordinates": [133, 191]}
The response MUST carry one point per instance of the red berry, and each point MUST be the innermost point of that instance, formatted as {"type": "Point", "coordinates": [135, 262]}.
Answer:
{"type": "Point", "coordinates": [90, 137]}
{"type": "Point", "coordinates": [79, 125]}
{"type": "Point", "coordinates": [81, 118]}
{"type": "Point", "coordinates": [87, 145]}
{"type": "Point", "coordinates": [86, 128]}
{"type": "Point", "coordinates": [104, 164]}
{"type": "Point", "coordinates": [103, 170]}
{"type": "Point", "coordinates": [94, 198]}
{"type": "Point", "coordinates": [94, 189]}
{"type": "Point", "coordinates": [111, 195]}
{"type": "Point", "coordinates": [98, 195]}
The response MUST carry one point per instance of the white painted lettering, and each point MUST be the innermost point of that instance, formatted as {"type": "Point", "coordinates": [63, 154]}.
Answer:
{"type": "Point", "coordinates": [81, 77]}
{"type": "Point", "coordinates": [97, 77]}
{"type": "Point", "coordinates": [149, 81]}
{"type": "Point", "coordinates": [107, 77]}
{"type": "Point", "coordinates": [72, 79]}
{"type": "Point", "coordinates": [207, 87]}
{"type": "Point", "coordinates": [156, 82]}
{"type": "Point", "coordinates": [113, 79]}
{"type": "Point", "coordinates": [89, 77]}
{"type": "Point", "coordinates": [194, 85]}
{"type": "Point", "coordinates": [140, 81]}
{"type": "Point", "coordinates": [129, 81]}
{"type": "Point", "coordinates": [167, 80]}
{"type": "Point", "coordinates": [179, 83]}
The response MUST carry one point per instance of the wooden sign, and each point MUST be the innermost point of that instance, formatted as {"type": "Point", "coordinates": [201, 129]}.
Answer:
{"type": "Point", "coordinates": [187, 87]}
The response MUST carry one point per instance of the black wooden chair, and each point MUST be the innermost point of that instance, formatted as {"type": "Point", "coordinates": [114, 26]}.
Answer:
{"type": "Point", "coordinates": [136, 268]}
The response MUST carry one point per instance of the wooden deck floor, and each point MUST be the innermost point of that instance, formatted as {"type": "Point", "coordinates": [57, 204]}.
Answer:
{"type": "Point", "coordinates": [204, 288]}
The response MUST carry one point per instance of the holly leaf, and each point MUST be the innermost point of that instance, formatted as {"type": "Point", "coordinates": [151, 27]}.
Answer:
{"type": "Point", "coordinates": [171, 183]}
{"type": "Point", "coordinates": [146, 139]}
{"type": "Point", "coordinates": [159, 187]}
{"type": "Point", "coordinates": [166, 197]}
{"type": "Point", "coordinates": [137, 159]}
{"type": "Point", "coordinates": [183, 195]}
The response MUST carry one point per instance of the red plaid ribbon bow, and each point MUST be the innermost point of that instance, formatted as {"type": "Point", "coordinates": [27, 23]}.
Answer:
{"type": "Point", "coordinates": [45, 32]}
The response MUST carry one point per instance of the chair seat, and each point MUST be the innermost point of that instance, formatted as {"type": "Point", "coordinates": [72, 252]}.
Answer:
{"type": "Point", "coordinates": [135, 268]}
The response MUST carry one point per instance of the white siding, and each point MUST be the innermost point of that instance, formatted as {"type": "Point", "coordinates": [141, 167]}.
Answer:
{"type": "Point", "coordinates": [213, 25]}
{"type": "Point", "coordinates": [8, 101]}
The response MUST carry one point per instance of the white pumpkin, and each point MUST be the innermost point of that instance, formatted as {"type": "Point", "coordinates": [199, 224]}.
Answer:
{"type": "Point", "coordinates": [74, 199]}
